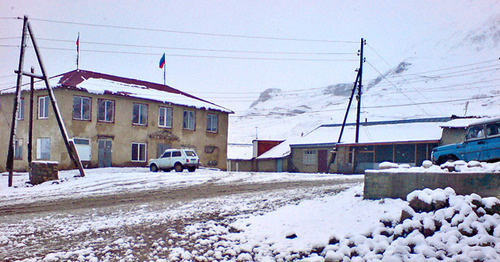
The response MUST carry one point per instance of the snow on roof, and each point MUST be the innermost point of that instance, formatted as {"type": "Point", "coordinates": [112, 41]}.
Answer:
{"type": "Point", "coordinates": [279, 151]}
{"type": "Point", "coordinates": [98, 83]}
{"type": "Point", "coordinates": [239, 151]}
{"type": "Point", "coordinates": [404, 132]}
{"type": "Point", "coordinates": [459, 123]}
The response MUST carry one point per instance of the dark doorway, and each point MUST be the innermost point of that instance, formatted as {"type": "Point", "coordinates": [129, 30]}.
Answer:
{"type": "Point", "coordinates": [322, 161]}
{"type": "Point", "coordinates": [104, 154]}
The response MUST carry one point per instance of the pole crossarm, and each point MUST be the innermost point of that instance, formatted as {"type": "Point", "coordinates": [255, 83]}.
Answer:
{"type": "Point", "coordinates": [24, 73]}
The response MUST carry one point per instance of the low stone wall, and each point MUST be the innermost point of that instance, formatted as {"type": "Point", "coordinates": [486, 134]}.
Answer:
{"type": "Point", "coordinates": [43, 171]}
{"type": "Point", "coordinates": [381, 184]}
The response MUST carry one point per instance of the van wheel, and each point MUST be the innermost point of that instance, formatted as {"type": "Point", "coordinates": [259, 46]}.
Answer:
{"type": "Point", "coordinates": [191, 168]}
{"type": "Point", "coordinates": [153, 168]}
{"type": "Point", "coordinates": [178, 167]}
{"type": "Point", "coordinates": [447, 158]}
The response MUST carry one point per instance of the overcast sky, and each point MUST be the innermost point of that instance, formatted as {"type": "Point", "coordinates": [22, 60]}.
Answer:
{"type": "Point", "coordinates": [248, 46]}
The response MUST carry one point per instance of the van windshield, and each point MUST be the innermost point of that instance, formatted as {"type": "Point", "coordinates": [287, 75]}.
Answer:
{"type": "Point", "coordinates": [190, 153]}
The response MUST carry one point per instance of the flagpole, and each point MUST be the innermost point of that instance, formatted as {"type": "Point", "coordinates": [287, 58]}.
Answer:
{"type": "Point", "coordinates": [164, 75]}
{"type": "Point", "coordinates": [78, 51]}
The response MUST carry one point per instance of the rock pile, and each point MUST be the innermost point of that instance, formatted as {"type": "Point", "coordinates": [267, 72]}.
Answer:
{"type": "Point", "coordinates": [436, 225]}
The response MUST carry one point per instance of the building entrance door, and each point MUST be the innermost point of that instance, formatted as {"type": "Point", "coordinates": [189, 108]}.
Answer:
{"type": "Point", "coordinates": [104, 154]}
{"type": "Point", "coordinates": [322, 161]}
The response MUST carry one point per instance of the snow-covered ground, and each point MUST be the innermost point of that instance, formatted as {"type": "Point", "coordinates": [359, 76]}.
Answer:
{"type": "Point", "coordinates": [328, 223]}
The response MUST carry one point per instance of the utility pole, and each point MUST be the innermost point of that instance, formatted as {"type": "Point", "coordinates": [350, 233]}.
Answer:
{"type": "Point", "coordinates": [30, 126]}
{"type": "Point", "coordinates": [17, 98]}
{"type": "Point", "coordinates": [70, 146]}
{"type": "Point", "coordinates": [360, 86]}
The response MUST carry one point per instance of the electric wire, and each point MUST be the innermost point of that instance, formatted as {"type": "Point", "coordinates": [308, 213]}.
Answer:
{"type": "Point", "coordinates": [381, 106]}
{"type": "Point", "coordinates": [195, 56]}
{"type": "Point", "coordinates": [191, 32]}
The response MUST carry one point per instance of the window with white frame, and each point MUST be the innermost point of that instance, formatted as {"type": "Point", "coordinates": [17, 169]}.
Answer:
{"type": "Point", "coordinates": [81, 107]}
{"type": "Point", "coordinates": [165, 117]}
{"type": "Point", "coordinates": [43, 107]}
{"type": "Point", "coordinates": [140, 114]}
{"type": "Point", "coordinates": [310, 157]}
{"type": "Point", "coordinates": [20, 112]}
{"type": "Point", "coordinates": [106, 110]}
{"type": "Point", "coordinates": [83, 148]}
{"type": "Point", "coordinates": [138, 152]}
{"type": "Point", "coordinates": [189, 120]}
{"type": "Point", "coordinates": [43, 148]}
{"type": "Point", "coordinates": [18, 149]}
{"type": "Point", "coordinates": [212, 123]}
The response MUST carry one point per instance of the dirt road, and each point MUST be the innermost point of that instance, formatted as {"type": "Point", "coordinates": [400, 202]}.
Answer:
{"type": "Point", "coordinates": [193, 192]}
{"type": "Point", "coordinates": [146, 225]}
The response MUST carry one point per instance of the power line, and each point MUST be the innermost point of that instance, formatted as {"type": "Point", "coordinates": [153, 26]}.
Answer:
{"type": "Point", "coordinates": [192, 32]}
{"type": "Point", "coordinates": [197, 49]}
{"type": "Point", "coordinates": [383, 106]}
{"type": "Point", "coordinates": [194, 56]}
{"type": "Point", "coordinates": [397, 88]}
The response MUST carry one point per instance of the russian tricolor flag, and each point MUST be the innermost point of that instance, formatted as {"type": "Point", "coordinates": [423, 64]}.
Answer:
{"type": "Point", "coordinates": [162, 61]}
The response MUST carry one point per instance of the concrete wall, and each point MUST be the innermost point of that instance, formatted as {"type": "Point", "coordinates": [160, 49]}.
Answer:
{"type": "Point", "coordinates": [211, 147]}
{"type": "Point", "coordinates": [240, 165]}
{"type": "Point", "coordinates": [381, 184]}
{"type": "Point", "coordinates": [257, 165]}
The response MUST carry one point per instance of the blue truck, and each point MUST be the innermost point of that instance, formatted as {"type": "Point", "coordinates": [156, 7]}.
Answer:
{"type": "Point", "coordinates": [481, 143]}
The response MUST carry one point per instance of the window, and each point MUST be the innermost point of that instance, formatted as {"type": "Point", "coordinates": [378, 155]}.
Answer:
{"type": "Point", "coordinates": [43, 148]}
{"type": "Point", "coordinates": [20, 112]}
{"type": "Point", "coordinates": [212, 123]}
{"type": "Point", "coordinates": [189, 120]}
{"type": "Point", "coordinates": [310, 157]}
{"type": "Point", "coordinates": [83, 148]}
{"type": "Point", "coordinates": [140, 114]}
{"type": "Point", "coordinates": [43, 107]}
{"type": "Point", "coordinates": [165, 117]}
{"type": "Point", "coordinates": [166, 154]}
{"type": "Point", "coordinates": [106, 111]}
{"type": "Point", "coordinates": [81, 108]}
{"type": "Point", "coordinates": [493, 129]}
{"type": "Point", "coordinates": [138, 152]}
{"type": "Point", "coordinates": [176, 154]}
{"type": "Point", "coordinates": [475, 132]}
{"type": "Point", "coordinates": [18, 149]}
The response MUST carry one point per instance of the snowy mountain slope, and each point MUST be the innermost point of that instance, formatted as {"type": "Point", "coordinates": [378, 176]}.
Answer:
{"type": "Point", "coordinates": [455, 74]}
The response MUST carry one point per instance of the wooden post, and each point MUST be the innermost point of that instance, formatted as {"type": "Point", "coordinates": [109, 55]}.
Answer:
{"type": "Point", "coordinates": [71, 149]}
{"type": "Point", "coordinates": [13, 127]}
{"type": "Point", "coordinates": [30, 125]}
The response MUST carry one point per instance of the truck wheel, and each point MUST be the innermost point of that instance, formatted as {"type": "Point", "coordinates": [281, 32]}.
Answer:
{"type": "Point", "coordinates": [447, 158]}
{"type": "Point", "coordinates": [191, 168]}
{"type": "Point", "coordinates": [178, 167]}
{"type": "Point", "coordinates": [153, 168]}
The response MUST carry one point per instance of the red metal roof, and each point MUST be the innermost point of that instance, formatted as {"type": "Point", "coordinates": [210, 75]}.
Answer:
{"type": "Point", "coordinates": [73, 78]}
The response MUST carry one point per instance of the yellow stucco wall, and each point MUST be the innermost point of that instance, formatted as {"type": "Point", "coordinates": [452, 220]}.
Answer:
{"type": "Point", "coordinates": [211, 147]}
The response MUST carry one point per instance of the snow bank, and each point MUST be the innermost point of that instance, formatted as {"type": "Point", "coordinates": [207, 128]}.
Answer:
{"type": "Point", "coordinates": [437, 225]}
{"type": "Point", "coordinates": [456, 166]}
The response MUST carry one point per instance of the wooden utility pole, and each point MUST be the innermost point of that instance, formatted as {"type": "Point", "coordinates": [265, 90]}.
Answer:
{"type": "Point", "coordinates": [70, 146]}
{"type": "Point", "coordinates": [73, 154]}
{"type": "Point", "coordinates": [30, 125]}
{"type": "Point", "coordinates": [17, 98]}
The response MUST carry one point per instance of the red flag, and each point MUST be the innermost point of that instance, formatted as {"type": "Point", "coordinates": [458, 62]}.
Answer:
{"type": "Point", "coordinates": [78, 42]}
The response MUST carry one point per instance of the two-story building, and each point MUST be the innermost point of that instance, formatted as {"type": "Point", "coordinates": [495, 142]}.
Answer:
{"type": "Point", "coordinates": [114, 121]}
